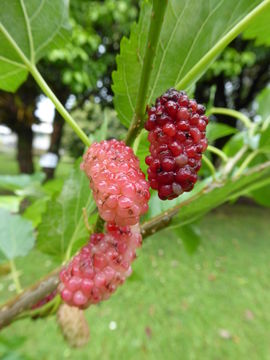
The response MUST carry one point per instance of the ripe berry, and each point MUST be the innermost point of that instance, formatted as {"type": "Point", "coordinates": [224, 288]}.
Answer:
{"type": "Point", "coordinates": [119, 186]}
{"type": "Point", "coordinates": [176, 128]}
{"type": "Point", "coordinates": [100, 266]}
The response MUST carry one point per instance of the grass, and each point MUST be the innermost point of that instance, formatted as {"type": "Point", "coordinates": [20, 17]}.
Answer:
{"type": "Point", "coordinates": [212, 305]}
{"type": "Point", "coordinates": [9, 165]}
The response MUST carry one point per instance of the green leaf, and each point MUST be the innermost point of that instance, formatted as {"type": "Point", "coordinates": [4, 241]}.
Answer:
{"type": "Point", "coordinates": [189, 234]}
{"type": "Point", "coordinates": [190, 30]}
{"type": "Point", "coordinates": [219, 195]}
{"type": "Point", "coordinates": [11, 203]}
{"type": "Point", "coordinates": [265, 139]}
{"type": "Point", "coordinates": [16, 235]}
{"type": "Point", "coordinates": [101, 133]}
{"type": "Point", "coordinates": [63, 222]}
{"type": "Point", "coordinates": [262, 196]}
{"type": "Point", "coordinates": [53, 187]}
{"type": "Point", "coordinates": [28, 30]}
{"type": "Point", "coordinates": [259, 29]}
{"type": "Point", "coordinates": [143, 150]}
{"type": "Point", "coordinates": [235, 143]}
{"type": "Point", "coordinates": [20, 182]}
{"type": "Point", "coordinates": [262, 101]}
{"type": "Point", "coordinates": [207, 198]}
{"type": "Point", "coordinates": [157, 206]}
{"type": "Point", "coordinates": [216, 131]}
{"type": "Point", "coordinates": [35, 211]}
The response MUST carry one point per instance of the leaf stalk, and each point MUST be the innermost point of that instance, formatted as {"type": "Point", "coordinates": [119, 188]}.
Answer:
{"type": "Point", "coordinates": [195, 72]}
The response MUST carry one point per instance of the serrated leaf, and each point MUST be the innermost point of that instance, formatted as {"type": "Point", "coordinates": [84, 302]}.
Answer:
{"type": "Point", "coordinates": [16, 235]}
{"type": "Point", "coordinates": [190, 29]}
{"type": "Point", "coordinates": [28, 28]}
{"type": "Point", "coordinates": [259, 29]}
{"type": "Point", "coordinates": [189, 234]}
{"type": "Point", "coordinates": [63, 221]}
{"type": "Point", "coordinates": [216, 131]}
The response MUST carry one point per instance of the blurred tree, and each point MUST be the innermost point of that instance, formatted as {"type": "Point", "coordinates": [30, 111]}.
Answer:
{"type": "Point", "coordinates": [235, 79]}
{"type": "Point", "coordinates": [82, 68]}
{"type": "Point", "coordinates": [240, 73]}
{"type": "Point", "coordinates": [17, 112]}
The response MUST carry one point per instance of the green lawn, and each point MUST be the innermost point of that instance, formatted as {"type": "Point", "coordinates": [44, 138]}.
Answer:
{"type": "Point", "coordinates": [9, 165]}
{"type": "Point", "coordinates": [213, 305]}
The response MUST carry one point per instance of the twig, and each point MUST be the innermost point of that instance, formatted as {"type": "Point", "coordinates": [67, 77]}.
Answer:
{"type": "Point", "coordinates": [232, 113]}
{"type": "Point", "coordinates": [233, 161]}
{"type": "Point", "coordinates": [15, 276]}
{"type": "Point", "coordinates": [29, 297]}
{"type": "Point", "coordinates": [218, 152]}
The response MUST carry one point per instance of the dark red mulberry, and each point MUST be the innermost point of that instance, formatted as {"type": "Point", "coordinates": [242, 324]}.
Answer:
{"type": "Point", "coordinates": [177, 139]}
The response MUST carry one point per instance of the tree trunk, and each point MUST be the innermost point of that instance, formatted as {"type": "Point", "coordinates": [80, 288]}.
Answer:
{"type": "Point", "coordinates": [55, 143]}
{"type": "Point", "coordinates": [24, 150]}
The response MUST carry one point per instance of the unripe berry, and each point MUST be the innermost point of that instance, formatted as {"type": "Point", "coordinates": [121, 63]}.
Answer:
{"type": "Point", "coordinates": [119, 186]}
{"type": "Point", "coordinates": [100, 266]}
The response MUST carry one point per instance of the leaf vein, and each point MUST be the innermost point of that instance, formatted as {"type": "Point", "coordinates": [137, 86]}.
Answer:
{"type": "Point", "coordinates": [196, 39]}
{"type": "Point", "coordinates": [126, 85]}
{"type": "Point", "coordinates": [29, 32]}
{"type": "Point", "coordinates": [52, 35]}
{"type": "Point", "coordinates": [4, 76]}
{"type": "Point", "coordinates": [166, 49]}
{"type": "Point", "coordinates": [12, 62]}
{"type": "Point", "coordinates": [38, 11]}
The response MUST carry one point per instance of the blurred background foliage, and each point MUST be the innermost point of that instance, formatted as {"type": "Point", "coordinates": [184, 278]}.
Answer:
{"type": "Point", "coordinates": [230, 258]}
{"type": "Point", "coordinates": [80, 75]}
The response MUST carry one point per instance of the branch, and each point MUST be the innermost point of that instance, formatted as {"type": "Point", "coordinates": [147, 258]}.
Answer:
{"type": "Point", "coordinates": [30, 296]}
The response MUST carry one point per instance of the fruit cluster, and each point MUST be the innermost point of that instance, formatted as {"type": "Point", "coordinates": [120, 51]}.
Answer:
{"type": "Point", "coordinates": [119, 186]}
{"type": "Point", "coordinates": [100, 266]}
{"type": "Point", "coordinates": [176, 128]}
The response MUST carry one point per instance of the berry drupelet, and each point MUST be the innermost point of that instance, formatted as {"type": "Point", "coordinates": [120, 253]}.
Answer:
{"type": "Point", "coordinates": [177, 139]}
{"type": "Point", "coordinates": [100, 266]}
{"type": "Point", "coordinates": [120, 189]}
